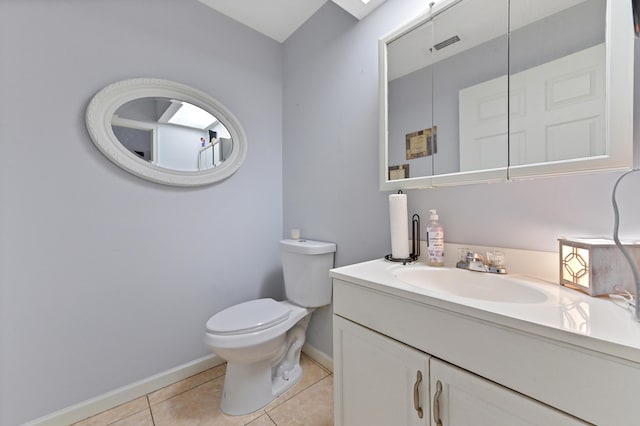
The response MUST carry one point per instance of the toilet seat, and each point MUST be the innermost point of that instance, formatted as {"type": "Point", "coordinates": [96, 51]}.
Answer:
{"type": "Point", "coordinates": [248, 317]}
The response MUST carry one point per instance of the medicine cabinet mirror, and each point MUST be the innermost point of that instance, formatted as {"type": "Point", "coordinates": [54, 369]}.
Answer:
{"type": "Point", "coordinates": [166, 132]}
{"type": "Point", "coordinates": [477, 91]}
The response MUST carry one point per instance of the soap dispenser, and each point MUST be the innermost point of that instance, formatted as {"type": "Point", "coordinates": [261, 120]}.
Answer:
{"type": "Point", "coordinates": [435, 240]}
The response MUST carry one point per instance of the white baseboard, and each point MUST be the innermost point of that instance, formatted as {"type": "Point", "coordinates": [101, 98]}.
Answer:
{"type": "Point", "coordinates": [318, 356]}
{"type": "Point", "coordinates": [143, 387]}
{"type": "Point", "coordinates": [127, 393]}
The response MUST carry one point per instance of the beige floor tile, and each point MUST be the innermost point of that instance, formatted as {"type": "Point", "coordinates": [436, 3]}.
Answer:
{"type": "Point", "coordinates": [186, 384]}
{"type": "Point", "coordinates": [196, 401]}
{"type": "Point", "coordinates": [263, 420]}
{"type": "Point", "coordinates": [303, 355]}
{"type": "Point", "coordinates": [142, 418]}
{"type": "Point", "coordinates": [199, 406]}
{"type": "Point", "coordinates": [311, 373]}
{"type": "Point", "coordinates": [116, 413]}
{"type": "Point", "coordinates": [313, 407]}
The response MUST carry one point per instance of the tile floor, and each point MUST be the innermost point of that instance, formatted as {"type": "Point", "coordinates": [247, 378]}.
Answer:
{"type": "Point", "coordinates": [195, 401]}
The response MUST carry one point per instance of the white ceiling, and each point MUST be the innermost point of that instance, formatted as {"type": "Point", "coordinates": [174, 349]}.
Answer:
{"type": "Point", "coordinates": [279, 19]}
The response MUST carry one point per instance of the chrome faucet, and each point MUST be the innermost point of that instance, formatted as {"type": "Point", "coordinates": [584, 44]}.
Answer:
{"type": "Point", "coordinates": [475, 262]}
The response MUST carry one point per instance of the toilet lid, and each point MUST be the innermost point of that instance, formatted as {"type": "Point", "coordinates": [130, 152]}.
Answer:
{"type": "Point", "coordinates": [247, 317]}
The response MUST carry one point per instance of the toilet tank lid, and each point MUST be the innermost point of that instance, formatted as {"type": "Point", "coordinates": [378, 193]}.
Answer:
{"type": "Point", "coordinates": [246, 317]}
{"type": "Point", "coordinates": [303, 246]}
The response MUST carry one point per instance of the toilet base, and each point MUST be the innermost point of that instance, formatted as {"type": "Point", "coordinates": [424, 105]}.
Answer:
{"type": "Point", "coordinates": [248, 388]}
{"type": "Point", "coordinates": [280, 385]}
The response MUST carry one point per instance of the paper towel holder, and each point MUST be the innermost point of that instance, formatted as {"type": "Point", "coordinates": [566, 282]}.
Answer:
{"type": "Point", "coordinates": [415, 242]}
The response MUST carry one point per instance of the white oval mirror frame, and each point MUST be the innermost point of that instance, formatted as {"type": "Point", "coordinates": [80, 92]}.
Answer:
{"type": "Point", "coordinates": [104, 104]}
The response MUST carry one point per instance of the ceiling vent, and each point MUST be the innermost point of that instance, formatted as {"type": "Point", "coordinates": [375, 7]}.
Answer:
{"type": "Point", "coordinates": [447, 42]}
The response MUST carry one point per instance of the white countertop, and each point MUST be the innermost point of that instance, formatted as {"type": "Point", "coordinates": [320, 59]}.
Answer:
{"type": "Point", "coordinates": [597, 324]}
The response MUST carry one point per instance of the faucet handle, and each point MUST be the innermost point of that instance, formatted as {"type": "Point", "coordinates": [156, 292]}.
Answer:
{"type": "Point", "coordinates": [495, 258]}
{"type": "Point", "coordinates": [496, 261]}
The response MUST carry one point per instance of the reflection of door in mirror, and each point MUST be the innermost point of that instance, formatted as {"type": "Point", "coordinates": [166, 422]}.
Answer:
{"type": "Point", "coordinates": [557, 80]}
{"type": "Point", "coordinates": [556, 86]}
{"type": "Point", "coordinates": [177, 134]}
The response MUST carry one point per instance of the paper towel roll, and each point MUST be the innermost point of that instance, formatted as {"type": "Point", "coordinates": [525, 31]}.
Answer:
{"type": "Point", "coordinates": [399, 226]}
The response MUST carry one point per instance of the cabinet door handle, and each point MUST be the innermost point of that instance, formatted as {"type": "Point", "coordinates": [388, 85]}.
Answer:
{"type": "Point", "coordinates": [436, 404]}
{"type": "Point", "coordinates": [416, 394]}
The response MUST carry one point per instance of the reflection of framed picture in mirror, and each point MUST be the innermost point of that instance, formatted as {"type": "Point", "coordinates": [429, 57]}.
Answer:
{"type": "Point", "coordinates": [421, 143]}
{"type": "Point", "coordinates": [399, 172]}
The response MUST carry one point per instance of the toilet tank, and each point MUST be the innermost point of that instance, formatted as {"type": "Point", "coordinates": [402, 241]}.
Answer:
{"type": "Point", "coordinates": [305, 265]}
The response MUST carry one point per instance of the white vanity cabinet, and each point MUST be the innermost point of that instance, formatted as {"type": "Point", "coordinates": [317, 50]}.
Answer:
{"type": "Point", "coordinates": [460, 398]}
{"type": "Point", "coordinates": [494, 369]}
{"type": "Point", "coordinates": [380, 381]}
{"type": "Point", "coordinates": [377, 380]}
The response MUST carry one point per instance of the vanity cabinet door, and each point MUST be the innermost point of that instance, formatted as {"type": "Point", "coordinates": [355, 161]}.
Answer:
{"type": "Point", "coordinates": [377, 380]}
{"type": "Point", "coordinates": [460, 398]}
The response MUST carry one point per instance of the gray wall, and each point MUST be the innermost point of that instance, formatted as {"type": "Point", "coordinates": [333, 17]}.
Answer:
{"type": "Point", "coordinates": [331, 137]}
{"type": "Point", "coordinates": [331, 161]}
{"type": "Point", "coordinates": [106, 279]}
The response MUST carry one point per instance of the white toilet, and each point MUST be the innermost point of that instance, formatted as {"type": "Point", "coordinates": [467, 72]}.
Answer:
{"type": "Point", "coordinates": [261, 339]}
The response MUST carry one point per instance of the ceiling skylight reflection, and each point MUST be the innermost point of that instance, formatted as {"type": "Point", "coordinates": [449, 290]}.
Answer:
{"type": "Point", "coordinates": [192, 116]}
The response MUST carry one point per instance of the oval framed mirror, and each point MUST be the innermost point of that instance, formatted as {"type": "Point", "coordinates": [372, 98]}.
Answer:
{"type": "Point", "coordinates": [166, 132]}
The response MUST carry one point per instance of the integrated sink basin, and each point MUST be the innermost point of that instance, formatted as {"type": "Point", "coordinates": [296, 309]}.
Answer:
{"type": "Point", "coordinates": [471, 285]}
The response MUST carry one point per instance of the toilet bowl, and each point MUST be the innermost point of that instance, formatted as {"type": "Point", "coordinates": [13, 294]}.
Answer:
{"type": "Point", "coordinates": [261, 339]}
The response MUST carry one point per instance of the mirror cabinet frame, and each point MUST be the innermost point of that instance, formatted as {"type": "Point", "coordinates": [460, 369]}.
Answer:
{"type": "Point", "coordinates": [105, 103]}
{"type": "Point", "coordinates": [619, 58]}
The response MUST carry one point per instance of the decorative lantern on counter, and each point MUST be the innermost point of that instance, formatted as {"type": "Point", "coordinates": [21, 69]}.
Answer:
{"type": "Point", "coordinates": [596, 265]}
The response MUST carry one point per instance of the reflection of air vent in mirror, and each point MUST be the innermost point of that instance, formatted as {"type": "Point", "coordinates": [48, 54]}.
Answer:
{"type": "Point", "coordinates": [446, 43]}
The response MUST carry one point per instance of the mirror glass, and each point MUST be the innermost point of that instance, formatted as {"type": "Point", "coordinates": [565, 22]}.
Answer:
{"type": "Point", "coordinates": [557, 66]}
{"type": "Point", "coordinates": [471, 49]}
{"type": "Point", "coordinates": [478, 91]}
{"type": "Point", "coordinates": [410, 94]}
{"type": "Point", "coordinates": [166, 132]}
{"type": "Point", "coordinates": [172, 134]}
{"type": "Point", "coordinates": [438, 124]}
